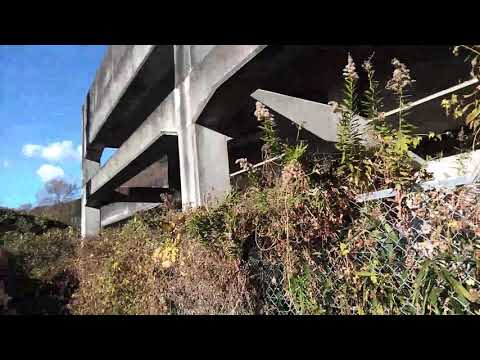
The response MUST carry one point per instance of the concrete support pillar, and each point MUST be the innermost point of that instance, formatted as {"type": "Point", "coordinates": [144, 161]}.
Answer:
{"type": "Point", "coordinates": [90, 225]}
{"type": "Point", "coordinates": [204, 167]}
{"type": "Point", "coordinates": [183, 62]}
{"type": "Point", "coordinates": [203, 153]}
{"type": "Point", "coordinates": [213, 165]}
{"type": "Point", "coordinates": [90, 217]}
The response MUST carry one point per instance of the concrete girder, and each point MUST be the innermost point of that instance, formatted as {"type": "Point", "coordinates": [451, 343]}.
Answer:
{"type": "Point", "coordinates": [319, 119]}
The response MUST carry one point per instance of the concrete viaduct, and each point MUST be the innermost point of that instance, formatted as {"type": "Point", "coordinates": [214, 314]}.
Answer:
{"type": "Point", "coordinates": [180, 115]}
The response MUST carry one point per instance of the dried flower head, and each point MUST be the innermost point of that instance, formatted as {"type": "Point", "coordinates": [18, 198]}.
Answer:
{"type": "Point", "coordinates": [293, 175]}
{"type": "Point", "coordinates": [426, 228]}
{"type": "Point", "coordinates": [400, 79]}
{"type": "Point", "coordinates": [349, 72]}
{"type": "Point", "coordinates": [368, 66]}
{"type": "Point", "coordinates": [261, 112]}
{"type": "Point", "coordinates": [335, 107]}
{"type": "Point", "coordinates": [244, 164]}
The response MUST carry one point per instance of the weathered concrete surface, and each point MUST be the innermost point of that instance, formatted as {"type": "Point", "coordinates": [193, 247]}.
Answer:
{"type": "Point", "coordinates": [214, 172]}
{"type": "Point", "coordinates": [188, 57]}
{"type": "Point", "coordinates": [315, 117]}
{"type": "Point", "coordinates": [263, 71]}
{"type": "Point", "coordinates": [131, 83]}
{"type": "Point", "coordinates": [90, 224]}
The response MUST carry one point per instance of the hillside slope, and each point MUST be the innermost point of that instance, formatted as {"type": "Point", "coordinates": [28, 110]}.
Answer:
{"type": "Point", "coordinates": [19, 222]}
{"type": "Point", "coordinates": [68, 212]}
{"type": "Point", "coordinates": [30, 247]}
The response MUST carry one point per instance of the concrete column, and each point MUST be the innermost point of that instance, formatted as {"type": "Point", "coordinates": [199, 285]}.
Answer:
{"type": "Point", "coordinates": [203, 157]}
{"type": "Point", "coordinates": [90, 225]}
{"type": "Point", "coordinates": [204, 167]}
{"type": "Point", "coordinates": [203, 153]}
{"type": "Point", "coordinates": [183, 62]}
{"type": "Point", "coordinates": [90, 217]}
{"type": "Point", "coordinates": [213, 164]}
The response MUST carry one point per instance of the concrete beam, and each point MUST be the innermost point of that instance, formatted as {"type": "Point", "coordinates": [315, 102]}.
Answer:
{"type": "Point", "coordinates": [317, 118]}
{"type": "Point", "coordinates": [156, 175]}
{"type": "Point", "coordinates": [132, 82]}
{"type": "Point", "coordinates": [465, 164]}
{"type": "Point", "coordinates": [116, 212]}
{"type": "Point", "coordinates": [111, 81]}
{"type": "Point", "coordinates": [267, 70]}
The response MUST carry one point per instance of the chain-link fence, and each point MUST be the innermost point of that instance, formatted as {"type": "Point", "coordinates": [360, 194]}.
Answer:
{"type": "Point", "coordinates": [418, 254]}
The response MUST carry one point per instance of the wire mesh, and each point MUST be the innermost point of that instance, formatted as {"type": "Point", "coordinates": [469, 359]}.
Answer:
{"type": "Point", "coordinates": [416, 255]}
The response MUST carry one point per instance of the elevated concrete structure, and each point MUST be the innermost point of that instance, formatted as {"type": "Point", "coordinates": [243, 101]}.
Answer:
{"type": "Point", "coordinates": [145, 101]}
{"type": "Point", "coordinates": [180, 115]}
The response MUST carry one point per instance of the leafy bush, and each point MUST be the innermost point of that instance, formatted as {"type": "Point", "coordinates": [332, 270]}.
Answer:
{"type": "Point", "coordinates": [467, 107]}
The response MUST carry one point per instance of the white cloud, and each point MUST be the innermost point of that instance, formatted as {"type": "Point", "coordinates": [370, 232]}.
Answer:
{"type": "Point", "coordinates": [48, 172]}
{"type": "Point", "coordinates": [56, 151]}
{"type": "Point", "coordinates": [31, 150]}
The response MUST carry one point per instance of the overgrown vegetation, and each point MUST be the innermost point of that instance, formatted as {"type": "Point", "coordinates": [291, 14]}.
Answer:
{"type": "Point", "coordinates": [294, 240]}
{"type": "Point", "coordinates": [66, 212]}
{"type": "Point", "coordinates": [35, 276]}
{"type": "Point", "coordinates": [467, 107]}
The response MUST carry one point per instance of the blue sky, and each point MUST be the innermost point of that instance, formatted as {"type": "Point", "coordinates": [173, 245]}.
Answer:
{"type": "Point", "coordinates": [42, 89]}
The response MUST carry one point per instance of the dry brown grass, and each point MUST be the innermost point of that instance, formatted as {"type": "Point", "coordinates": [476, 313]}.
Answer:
{"type": "Point", "coordinates": [150, 266]}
